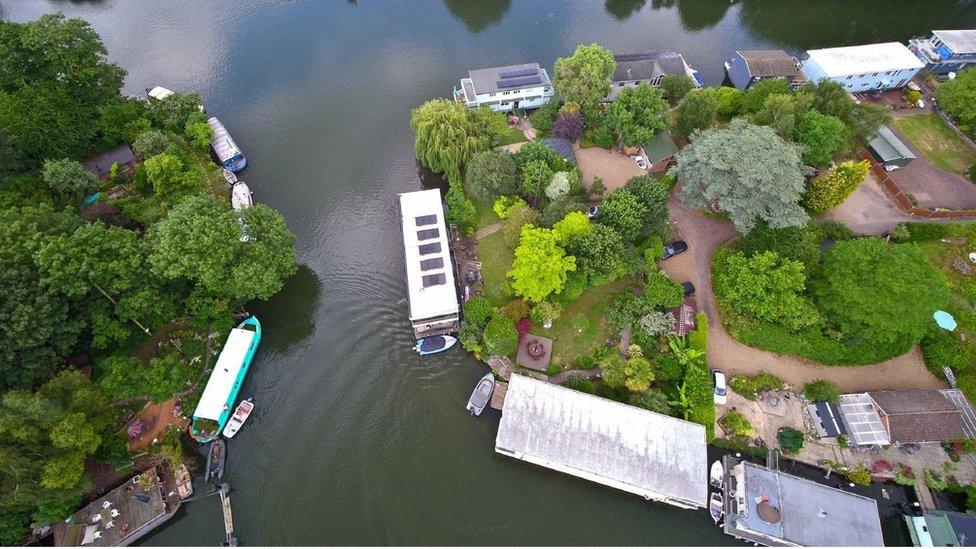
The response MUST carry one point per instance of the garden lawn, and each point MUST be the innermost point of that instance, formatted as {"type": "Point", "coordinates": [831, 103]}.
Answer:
{"type": "Point", "coordinates": [496, 260]}
{"type": "Point", "coordinates": [936, 141]}
{"type": "Point", "coordinates": [513, 135]}
{"type": "Point", "coordinates": [582, 324]}
{"type": "Point", "coordinates": [486, 216]}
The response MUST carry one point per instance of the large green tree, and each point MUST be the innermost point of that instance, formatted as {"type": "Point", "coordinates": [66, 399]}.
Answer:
{"type": "Point", "coordinates": [624, 212]}
{"type": "Point", "coordinates": [958, 98]}
{"type": "Point", "coordinates": [654, 194]}
{"type": "Point", "coordinates": [491, 174]}
{"type": "Point", "coordinates": [880, 293]}
{"type": "Point", "coordinates": [584, 77]}
{"type": "Point", "coordinates": [68, 177]}
{"type": "Point", "coordinates": [637, 115]}
{"type": "Point", "coordinates": [745, 171]}
{"type": "Point", "coordinates": [599, 252]}
{"type": "Point", "coordinates": [202, 240]}
{"type": "Point", "coordinates": [821, 135]}
{"type": "Point", "coordinates": [540, 265]}
{"type": "Point", "coordinates": [697, 111]}
{"type": "Point", "coordinates": [448, 136]}
{"type": "Point", "coordinates": [767, 287]}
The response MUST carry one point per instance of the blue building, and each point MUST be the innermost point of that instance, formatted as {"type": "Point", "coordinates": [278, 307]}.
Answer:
{"type": "Point", "coordinates": [946, 50]}
{"type": "Point", "coordinates": [749, 66]}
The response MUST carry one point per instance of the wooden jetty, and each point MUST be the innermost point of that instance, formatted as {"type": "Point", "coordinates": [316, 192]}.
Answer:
{"type": "Point", "coordinates": [498, 397]}
{"type": "Point", "coordinates": [228, 515]}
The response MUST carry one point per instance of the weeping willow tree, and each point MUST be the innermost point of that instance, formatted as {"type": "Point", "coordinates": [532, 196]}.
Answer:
{"type": "Point", "coordinates": [449, 135]}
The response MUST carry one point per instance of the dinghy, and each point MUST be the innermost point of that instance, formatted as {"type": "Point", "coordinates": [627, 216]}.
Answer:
{"type": "Point", "coordinates": [230, 177]}
{"type": "Point", "coordinates": [216, 457]}
{"type": "Point", "coordinates": [184, 484]}
{"type": "Point", "coordinates": [434, 344]}
{"type": "Point", "coordinates": [716, 506]}
{"type": "Point", "coordinates": [715, 474]}
{"type": "Point", "coordinates": [237, 420]}
{"type": "Point", "coordinates": [240, 196]}
{"type": "Point", "coordinates": [481, 394]}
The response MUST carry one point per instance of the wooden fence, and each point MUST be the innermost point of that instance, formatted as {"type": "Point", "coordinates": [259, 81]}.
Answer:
{"type": "Point", "coordinates": [905, 203]}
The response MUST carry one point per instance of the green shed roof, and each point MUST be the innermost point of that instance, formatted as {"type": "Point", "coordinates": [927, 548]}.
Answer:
{"type": "Point", "coordinates": [888, 147]}
{"type": "Point", "coordinates": [661, 147]}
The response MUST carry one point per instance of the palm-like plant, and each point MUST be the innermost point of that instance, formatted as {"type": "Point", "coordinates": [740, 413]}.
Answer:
{"type": "Point", "coordinates": [685, 354]}
{"type": "Point", "coordinates": [682, 403]}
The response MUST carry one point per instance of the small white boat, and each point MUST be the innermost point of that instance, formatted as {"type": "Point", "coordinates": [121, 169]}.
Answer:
{"type": "Point", "coordinates": [237, 420]}
{"type": "Point", "coordinates": [240, 196]}
{"type": "Point", "coordinates": [715, 474]}
{"type": "Point", "coordinates": [434, 344]}
{"type": "Point", "coordinates": [716, 506]}
{"type": "Point", "coordinates": [481, 394]}
{"type": "Point", "coordinates": [230, 176]}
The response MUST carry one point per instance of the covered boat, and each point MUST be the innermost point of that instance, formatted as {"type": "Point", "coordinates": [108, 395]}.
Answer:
{"type": "Point", "coordinates": [159, 93]}
{"type": "Point", "coordinates": [216, 457]}
{"type": "Point", "coordinates": [435, 344]}
{"type": "Point", "coordinates": [240, 196]}
{"type": "Point", "coordinates": [225, 382]}
{"type": "Point", "coordinates": [228, 153]}
{"type": "Point", "coordinates": [481, 394]}
{"type": "Point", "coordinates": [236, 421]}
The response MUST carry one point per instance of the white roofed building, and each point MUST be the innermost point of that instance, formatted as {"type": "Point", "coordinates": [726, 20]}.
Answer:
{"type": "Point", "coordinates": [525, 86]}
{"type": "Point", "coordinates": [863, 68]}
{"type": "Point", "coordinates": [434, 308]}
{"type": "Point", "coordinates": [655, 456]}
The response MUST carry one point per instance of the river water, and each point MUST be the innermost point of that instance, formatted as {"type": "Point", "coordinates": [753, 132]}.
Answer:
{"type": "Point", "coordinates": [356, 440]}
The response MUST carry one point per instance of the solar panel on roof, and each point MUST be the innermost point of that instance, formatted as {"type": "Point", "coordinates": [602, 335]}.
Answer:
{"type": "Point", "coordinates": [514, 73]}
{"type": "Point", "coordinates": [425, 220]}
{"type": "Point", "coordinates": [432, 248]}
{"type": "Point", "coordinates": [427, 234]}
{"type": "Point", "coordinates": [520, 82]}
{"type": "Point", "coordinates": [431, 264]}
{"type": "Point", "coordinates": [434, 280]}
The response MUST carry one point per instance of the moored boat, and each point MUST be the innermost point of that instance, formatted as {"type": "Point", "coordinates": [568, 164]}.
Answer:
{"type": "Point", "coordinates": [216, 457]}
{"type": "Point", "coordinates": [481, 394]}
{"type": "Point", "coordinates": [716, 506]}
{"type": "Point", "coordinates": [240, 196]}
{"type": "Point", "coordinates": [236, 421]}
{"type": "Point", "coordinates": [715, 474]}
{"type": "Point", "coordinates": [184, 483]}
{"type": "Point", "coordinates": [225, 382]}
{"type": "Point", "coordinates": [230, 177]}
{"type": "Point", "coordinates": [434, 344]}
{"type": "Point", "coordinates": [228, 153]}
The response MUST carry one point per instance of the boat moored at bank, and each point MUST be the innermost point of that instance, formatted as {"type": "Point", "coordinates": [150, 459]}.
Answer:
{"type": "Point", "coordinates": [228, 153]}
{"type": "Point", "coordinates": [217, 401]}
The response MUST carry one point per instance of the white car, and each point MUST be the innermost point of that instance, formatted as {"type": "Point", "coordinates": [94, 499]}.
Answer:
{"type": "Point", "coordinates": [641, 162]}
{"type": "Point", "coordinates": [718, 379]}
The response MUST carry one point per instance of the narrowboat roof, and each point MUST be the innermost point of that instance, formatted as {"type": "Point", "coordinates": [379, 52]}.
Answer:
{"type": "Point", "coordinates": [512, 77]}
{"type": "Point", "coordinates": [430, 273]}
{"type": "Point", "coordinates": [869, 58]}
{"type": "Point", "coordinates": [959, 41]}
{"type": "Point", "coordinates": [224, 375]}
{"type": "Point", "coordinates": [223, 144]}
{"type": "Point", "coordinates": [624, 447]}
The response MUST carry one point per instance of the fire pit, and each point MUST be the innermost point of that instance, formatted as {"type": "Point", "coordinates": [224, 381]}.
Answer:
{"type": "Point", "coordinates": [535, 349]}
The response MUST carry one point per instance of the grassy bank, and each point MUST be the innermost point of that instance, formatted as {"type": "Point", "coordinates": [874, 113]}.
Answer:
{"type": "Point", "coordinates": [936, 141]}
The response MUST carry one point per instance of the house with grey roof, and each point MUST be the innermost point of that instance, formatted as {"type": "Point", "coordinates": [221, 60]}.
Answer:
{"type": "Point", "coordinates": [946, 51]}
{"type": "Point", "coordinates": [773, 508]}
{"type": "Point", "coordinates": [750, 66]}
{"type": "Point", "coordinates": [648, 67]}
{"type": "Point", "coordinates": [652, 455]}
{"type": "Point", "coordinates": [101, 165]}
{"type": "Point", "coordinates": [504, 89]}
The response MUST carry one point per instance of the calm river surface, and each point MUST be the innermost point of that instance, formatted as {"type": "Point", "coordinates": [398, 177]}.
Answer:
{"type": "Point", "coordinates": [355, 439]}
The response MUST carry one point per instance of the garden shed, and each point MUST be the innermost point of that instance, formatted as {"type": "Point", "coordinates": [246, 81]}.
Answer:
{"type": "Point", "coordinates": [888, 150]}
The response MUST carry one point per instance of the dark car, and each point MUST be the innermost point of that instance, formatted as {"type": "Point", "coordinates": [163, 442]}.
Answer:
{"type": "Point", "coordinates": [688, 288]}
{"type": "Point", "coordinates": [674, 248]}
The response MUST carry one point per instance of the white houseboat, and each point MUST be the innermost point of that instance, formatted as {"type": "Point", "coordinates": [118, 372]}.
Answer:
{"type": "Point", "coordinates": [864, 68]}
{"type": "Point", "coordinates": [506, 88]}
{"type": "Point", "coordinates": [434, 308]}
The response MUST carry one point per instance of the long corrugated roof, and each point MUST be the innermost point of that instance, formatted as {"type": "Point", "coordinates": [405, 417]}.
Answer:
{"type": "Point", "coordinates": [870, 58]}
{"type": "Point", "coordinates": [629, 448]}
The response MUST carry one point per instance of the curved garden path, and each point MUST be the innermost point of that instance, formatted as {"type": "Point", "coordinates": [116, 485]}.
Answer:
{"type": "Point", "coordinates": [703, 235]}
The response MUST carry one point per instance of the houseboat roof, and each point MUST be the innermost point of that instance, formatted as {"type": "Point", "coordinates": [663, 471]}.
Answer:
{"type": "Point", "coordinates": [223, 144]}
{"type": "Point", "coordinates": [769, 63]}
{"type": "Point", "coordinates": [779, 509]}
{"type": "Point", "coordinates": [430, 273]}
{"type": "Point", "coordinates": [625, 447]}
{"type": "Point", "coordinates": [648, 65]}
{"type": "Point", "coordinates": [959, 41]}
{"type": "Point", "coordinates": [224, 374]}
{"type": "Point", "coordinates": [869, 58]}
{"type": "Point", "coordinates": [512, 77]}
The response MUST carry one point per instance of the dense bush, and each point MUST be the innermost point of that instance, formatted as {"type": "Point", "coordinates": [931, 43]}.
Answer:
{"type": "Point", "coordinates": [478, 311]}
{"type": "Point", "coordinates": [958, 98]}
{"type": "Point", "coordinates": [623, 212]}
{"type": "Point", "coordinates": [832, 187]}
{"type": "Point", "coordinates": [737, 424]}
{"type": "Point", "coordinates": [790, 440]}
{"type": "Point", "coordinates": [860, 476]}
{"type": "Point", "coordinates": [767, 287]}
{"type": "Point", "coordinates": [543, 117]}
{"type": "Point", "coordinates": [822, 137]}
{"type": "Point", "coordinates": [491, 174]}
{"type": "Point", "coordinates": [652, 400]}
{"type": "Point", "coordinates": [518, 217]}
{"type": "Point", "coordinates": [749, 387]}
{"type": "Point", "coordinates": [796, 243]}
{"type": "Point", "coordinates": [580, 383]}
{"type": "Point", "coordinates": [822, 390]}
{"type": "Point", "coordinates": [669, 368]}
{"type": "Point", "coordinates": [661, 291]}
{"type": "Point", "coordinates": [68, 177]}
{"type": "Point", "coordinates": [151, 143]}
{"type": "Point", "coordinates": [657, 323]}
{"type": "Point", "coordinates": [676, 87]}
{"type": "Point", "coordinates": [500, 336]}
{"type": "Point", "coordinates": [600, 254]}
{"type": "Point", "coordinates": [568, 126]}
{"type": "Point", "coordinates": [754, 452]}
{"type": "Point", "coordinates": [461, 211]}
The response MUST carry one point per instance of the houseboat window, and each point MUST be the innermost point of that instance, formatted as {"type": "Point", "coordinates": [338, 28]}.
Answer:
{"type": "Point", "coordinates": [860, 76]}
{"type": "Point", "coordinates": [425, 220]}
{"type": "Point", "coordinates": [431, 264]}
{"type": "Point", "coordinates": [432, 248]}
{"type": "Point", "coordinates": [434, 280]}
{"type": "Point", "coordinates": [851, 76]}
{"type": "Point", "coordinates": [427, 234]}
{"type": "Point", "coordinates": [875, 74]}
{"type": "Point", "coordinates": [620, 85]}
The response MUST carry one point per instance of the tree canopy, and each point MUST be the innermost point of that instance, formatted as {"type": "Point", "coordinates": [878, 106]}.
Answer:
{"type": "Point", "coordinates": [540, 265]}
{"type": "Point", "coordinates": [624, 212]}
{"type": "Point", "coordinates": [745, 171]}
{"type": "Point", "coordinates": [767, 287]}
{"type": "Point", "coordinates": [637, 115]}
{"type": "Point", "coordinates": [68, 177]}
{"type": "Point", "coordinates": [599, 253]}
{"type": "Point", "coordinates": [491, 174]}
{"type": "Point", "coordinates": [584, 77]}
{"type": "Point", "coordinates": [821, 135]}
{"type": "Point", "coordinates": [697, 111]}
{"type": "Point", "coordinates": [832, 187]}
{"type": "Point", "coordinates": [448, 136]}
{"type": "Point", "coordinates": [675, 87]}
{"type": "Point", "coordinates": [958, 98]}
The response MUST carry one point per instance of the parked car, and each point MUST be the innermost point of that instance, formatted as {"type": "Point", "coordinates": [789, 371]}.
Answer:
{"type": "Point", "coordinates": [718, 380]}
{"type": "Point", "coordinates": [641, 162]}
{"type": "Point", "coordinates": [674, 248]}
{"type": "Point", "coordinates": [593, 211]}
{"type": "Point", "coordinates": [688, 288]}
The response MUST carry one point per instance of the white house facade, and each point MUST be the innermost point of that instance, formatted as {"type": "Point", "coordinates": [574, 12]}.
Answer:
{"type": "Point", "coordinates": [506, 88]}
{"type": "Point", "coordinates": [864, 68]}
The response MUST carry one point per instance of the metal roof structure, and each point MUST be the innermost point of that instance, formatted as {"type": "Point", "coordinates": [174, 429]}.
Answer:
{"type": "Point", "coordinates": [888, 147]}
{"type": "Point", "coordinates": [224, 374]}
{"type": "Point", "coordinates": [769, 63]}
{"type": "Point", "coordinates": [431, 289]}
{"type": "Point", "coordinates": [223, 144]}
{"type": "Point", "coordinates": [870, 58]}
{"type": "Point", "coordinates": [649, 65]}
{"type": "Point", "coordinates": [512, 77]}
{"type": "Point", "coordinates": [862, 421]}
{"type": "Point", "coordinates": [652, 455]}
{"type": "Point", "coordinates": [959, 41]}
